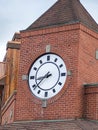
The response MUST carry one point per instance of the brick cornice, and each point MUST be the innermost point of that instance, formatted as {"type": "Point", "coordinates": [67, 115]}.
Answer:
{"type": "Point", "coordinates": [55, 29]}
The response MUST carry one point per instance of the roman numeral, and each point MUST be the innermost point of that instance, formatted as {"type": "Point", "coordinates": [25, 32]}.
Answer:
{"type": "Point", "coordinates": [55, 60]}
{"type": "Point", "coordinates": [31, 77]}
{"type": "Point", "coordinates": [34, 86]}
{"type": "Point", "coordinates": [38, 91]}
{"type": "Point", "coordinates": [48, 58]}
{"type": "Point", "coordinates": [60, 83]}
{"type": "Point", "coordinates": [40, 61]}
{"type": "Point", "coordinates": [54, 90]}
{"type": "Point", "coordinates": [61, 65]}
{"type": "Point", "coordinates": [63, 74]}
{"type": "Point", "coordinates": [35, 68]}
{"type": "Point", "coordinates": [46, 94]}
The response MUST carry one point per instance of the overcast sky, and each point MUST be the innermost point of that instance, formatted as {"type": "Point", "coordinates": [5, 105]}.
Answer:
{"type": "Point", "coordinates": [16, 15]}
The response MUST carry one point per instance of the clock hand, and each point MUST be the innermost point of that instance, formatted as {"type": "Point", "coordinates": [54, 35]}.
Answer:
{"type": "Point", "coordinates": [42, 78]}
{"type": "Point", "coordinates": [46, 76]}
{"type": "Point", "coordinates": [49, 75]}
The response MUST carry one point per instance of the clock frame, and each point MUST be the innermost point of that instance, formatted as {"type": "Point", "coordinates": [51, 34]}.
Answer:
{"type": "Point", "coordinates": [47, 76]}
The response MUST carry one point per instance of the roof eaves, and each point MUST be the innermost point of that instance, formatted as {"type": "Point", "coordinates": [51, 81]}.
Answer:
{"type": "Point", "coordinates": [54, 25]}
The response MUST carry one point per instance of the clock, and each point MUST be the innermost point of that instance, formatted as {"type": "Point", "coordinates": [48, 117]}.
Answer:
{"type": "Point", "coordinates": [47, 75]}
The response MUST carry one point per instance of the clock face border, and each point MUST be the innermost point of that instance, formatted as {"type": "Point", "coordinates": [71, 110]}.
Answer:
{"type": "Point", "coordinates": [57, 79]}
{"type": "Point", "coordinates": [52, 60]}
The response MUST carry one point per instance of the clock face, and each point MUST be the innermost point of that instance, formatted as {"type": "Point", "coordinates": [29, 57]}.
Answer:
{"type": "Point", "coordinates": [47, 76]}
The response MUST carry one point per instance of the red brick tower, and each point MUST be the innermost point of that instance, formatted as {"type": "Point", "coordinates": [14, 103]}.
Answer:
{"type": "Point", "coordinates": [67, 30]}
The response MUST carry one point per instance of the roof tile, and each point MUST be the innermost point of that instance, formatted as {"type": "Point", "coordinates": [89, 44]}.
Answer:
{"type": "Point", "coordinates": [65, 12]}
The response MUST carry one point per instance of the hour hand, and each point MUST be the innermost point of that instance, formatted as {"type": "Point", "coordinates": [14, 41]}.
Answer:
{"type": "Point", "coordinates": [49, 75]}
{"type": "Point", "coordinates": [46, 76]}
{"type": "Point", "coordinates": [42, 77]}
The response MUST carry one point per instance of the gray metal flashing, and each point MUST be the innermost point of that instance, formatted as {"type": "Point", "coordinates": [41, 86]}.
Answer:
{"type": "Point", "coordinates": [90, 84]}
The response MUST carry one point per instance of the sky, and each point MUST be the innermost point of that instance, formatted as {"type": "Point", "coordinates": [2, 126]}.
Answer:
{"type": "Point", "coordinates": [16, 15]}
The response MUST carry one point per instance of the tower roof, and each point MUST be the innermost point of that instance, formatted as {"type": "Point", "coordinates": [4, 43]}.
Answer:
{"type": "Point", "coordinates": [65, 12]}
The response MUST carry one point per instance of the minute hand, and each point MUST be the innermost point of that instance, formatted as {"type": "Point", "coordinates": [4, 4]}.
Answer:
{"type": "Point", "coordinates": [42, 78]}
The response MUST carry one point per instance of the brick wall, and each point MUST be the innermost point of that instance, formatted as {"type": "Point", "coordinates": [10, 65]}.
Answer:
{"type": "Point", "coordinates": [76, 45]}
{"type": "Point", "coordinates": [88, 65]}
{"type": "Point", "coordinates": [64, 41]}
{"type": "Point", "coordinates": [90, 101]}
{"type": "Point", "coordinates": [87, 68]}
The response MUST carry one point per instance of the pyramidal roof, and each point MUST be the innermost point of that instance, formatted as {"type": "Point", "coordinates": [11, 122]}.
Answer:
{"type": "Point", "coordinates": [65, 12]}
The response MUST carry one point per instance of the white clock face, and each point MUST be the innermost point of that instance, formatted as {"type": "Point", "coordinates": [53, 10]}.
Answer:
{"type": "Point", "coordinates": [47, 76]}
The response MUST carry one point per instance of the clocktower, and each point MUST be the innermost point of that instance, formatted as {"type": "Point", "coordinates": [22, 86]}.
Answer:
{"type": "Point", "coordinates": [55, 54]}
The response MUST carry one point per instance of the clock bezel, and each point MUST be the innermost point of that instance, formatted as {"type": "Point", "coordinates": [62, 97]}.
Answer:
{"type": "Point", "coordinates": [36, 74]}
